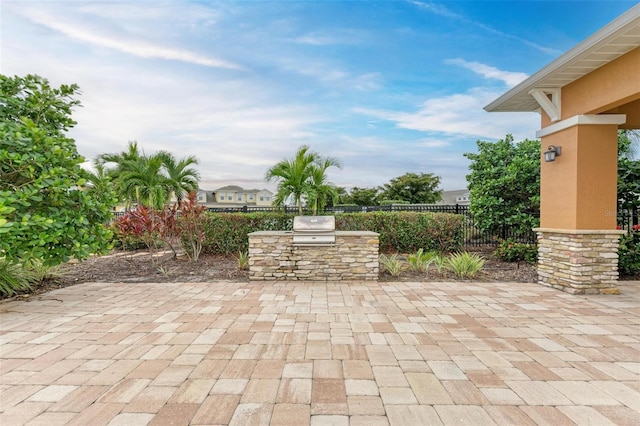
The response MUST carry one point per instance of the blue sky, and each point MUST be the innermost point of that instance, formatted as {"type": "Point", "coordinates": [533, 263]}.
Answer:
{"type": "Point", "coordinates": [386, 87]}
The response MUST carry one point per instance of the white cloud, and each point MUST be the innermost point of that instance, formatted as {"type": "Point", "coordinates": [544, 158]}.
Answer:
{"type": "Point", "coordinates": [440, 10]}
{"type": "Point", "coordinates": [437, 8]}
{"type": "Point", "coordinates": [431, 143]}
{"type": "Point", "coordinates": [80, 31]}
{"type": "Point", "coordinates": [335, 37]}
{"type": "Point", "coordinates": [238, 123]}
{"type": "Point", "coordinates": [511, 79]}
{"type": "Point", "coordinates": [460, 114]}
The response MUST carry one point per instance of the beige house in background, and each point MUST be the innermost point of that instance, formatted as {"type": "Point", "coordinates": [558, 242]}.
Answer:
{"type": "Point", "coordinates": [235, 196]}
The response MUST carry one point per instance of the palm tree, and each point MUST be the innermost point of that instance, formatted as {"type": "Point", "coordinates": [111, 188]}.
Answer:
{"type": "Point", "coordinates": [181, 178]}
{"type": "Point", "coordinates": [100, 183]}
{"type": "Point", "coordinates": [304, 176]}
{"type": "Point", "coordinates": [144, 181]}
{"type": "Point", "coordinates": [292, 176]}
{"type": "Point", "coordinates": [319, 189]}
{"type": "Point", "coordinates": [150, 180]}
{"type": "Point", "coordinates": [124, 161]}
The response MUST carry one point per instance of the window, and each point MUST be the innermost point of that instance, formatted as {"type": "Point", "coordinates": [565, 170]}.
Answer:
{"type": "Point", "coordinates": [250, 197]}
{"type": "Point", "coordinates": [239, 197]}
{"type": "Point", "coordinates": [262, 198]}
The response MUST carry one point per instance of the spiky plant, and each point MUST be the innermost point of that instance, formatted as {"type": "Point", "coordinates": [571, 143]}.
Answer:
{"type": "Point", "coordinates": [421, 260]}
{"type": "Point", "coordinates": [243, 260]}
{"type": "Point", "coordinates": [392, 264]}
{"type": "Point", "coordinates": [14, 277]}
{"type": "Point", "coordinates": [465, 264]}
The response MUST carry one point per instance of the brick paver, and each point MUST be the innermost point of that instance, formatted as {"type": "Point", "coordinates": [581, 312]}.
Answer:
{"type": "Point", "coordinates": [320, 354]}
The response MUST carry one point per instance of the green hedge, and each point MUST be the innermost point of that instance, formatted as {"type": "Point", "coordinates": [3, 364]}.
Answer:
{"type": "Point", "coordinates": [226, 233]}
{"type": "Point", "coordinates": [406, 232]}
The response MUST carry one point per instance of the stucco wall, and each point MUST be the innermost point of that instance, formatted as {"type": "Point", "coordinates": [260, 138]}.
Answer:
{"type": "Point", "coordinates": [579, 188]}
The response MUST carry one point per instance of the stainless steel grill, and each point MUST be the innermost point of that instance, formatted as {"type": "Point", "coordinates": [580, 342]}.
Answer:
{"type": "Point", "coordinates": [314, 230]}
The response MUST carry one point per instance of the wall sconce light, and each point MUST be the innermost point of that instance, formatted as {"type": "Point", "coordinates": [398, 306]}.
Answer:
{"type": "Point", "coordinates": [552, 152]}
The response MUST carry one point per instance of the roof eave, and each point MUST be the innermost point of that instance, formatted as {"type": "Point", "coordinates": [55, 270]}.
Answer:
{"type": "Point", "coordinates": [597, 39]}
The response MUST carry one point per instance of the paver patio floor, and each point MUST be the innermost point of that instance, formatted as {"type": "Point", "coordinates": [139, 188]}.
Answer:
{"type": "Point", "coordinates": [320, 354]}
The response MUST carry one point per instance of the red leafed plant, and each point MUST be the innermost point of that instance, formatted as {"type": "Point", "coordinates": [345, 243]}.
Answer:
{"type": "Point", "coordinates": [190, 225]}
{"type": "Point", "coordinates": [154, 228]}
{"type": "Point", "coordinates": [139, 224]}
{"type": "Point", "coordinates": [171, 227]}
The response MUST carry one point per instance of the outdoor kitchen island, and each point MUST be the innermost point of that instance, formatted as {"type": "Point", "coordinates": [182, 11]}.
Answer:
{"type": "Point", "coordinates": [293, 255]}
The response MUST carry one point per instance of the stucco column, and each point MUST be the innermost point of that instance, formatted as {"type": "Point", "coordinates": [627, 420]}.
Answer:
{"type": "Point", "coordinates": [577, 238]}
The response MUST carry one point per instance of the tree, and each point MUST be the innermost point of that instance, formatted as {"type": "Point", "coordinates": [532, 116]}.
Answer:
{"type": "Point", "coordinates": [100, 182]}
{"type": "Point", "coordinates": [628, 143]}
{"type": "Point", "coordinates": [150, 180]}
{"type": "Point", "coordinates": [320, 191]}
{"type": "Point", "coordinates": [628, 172]}
{"type": "Point", "coordinates": [361, 196]}
{"type": "Point", "coordinates": [301, 176]}
{"type": "Point", "coordinates": [413, 188]}
{"type": "Point", "coordinates": [182, 179]}
{"type": "Point", "coordinates": [44, 213]}
{"type": "Point", "coordinates": [123, 161]}
{"type": "Point", "coordinates": [145, 180]}
{"type": "Point", "coordinates": [504, 184]}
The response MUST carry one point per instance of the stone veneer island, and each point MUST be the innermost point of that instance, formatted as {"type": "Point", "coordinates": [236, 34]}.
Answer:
{"type": "Point", "coordinates": [274, 257]}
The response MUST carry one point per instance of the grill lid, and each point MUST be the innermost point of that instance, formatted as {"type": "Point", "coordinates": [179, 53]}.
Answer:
{"type": "Point", "coordinates": [314, 224]}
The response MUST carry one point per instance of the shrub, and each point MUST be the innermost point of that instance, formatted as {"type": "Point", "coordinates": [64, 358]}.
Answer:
{"type": "Point", "coordinates": [421, 260]}
{"type": "Point", "coordinates": [464, 264]}
{"type": "Point", "coordinates": [226, 233]}
{"type": "Point", "coordinates": [512, 251]}
{"type": "Point", "coordinates": [243, 260]}
{"type": "Point", "coordinates": [14, 277]}
{"type": "Point", "coordinates": [392, 264]}
{"type": "Point", "coordinates": [40, 272]}
{"type": "Point", "coordinates": [629, 253]}
{"type": "Point", "coordinates": [439, 262]}
{"type": "Point", "coordinates": [139, 224]}
{"type": "Point", "coordinates": [190, 226]}
{"type": "Point", "coordinates": [407, 232]}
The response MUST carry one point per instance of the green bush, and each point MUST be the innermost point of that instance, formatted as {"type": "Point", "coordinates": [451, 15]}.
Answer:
{"type": "Point", "coordinates": [512, 251]}
{"type": "Point", "coordinates": [404, 232]}
{"type": "Point", "coordinates": [407, 232]}
{"type": "Point", "coordinates": [226, 233]}
{"type": "Point", "coordinates": [629, 253]}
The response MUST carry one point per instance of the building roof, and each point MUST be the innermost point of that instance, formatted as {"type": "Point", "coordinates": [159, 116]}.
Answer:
{"type": "Point", "coordinates": [239, 189]}
{"type": "Point", "coordinates": [612, 41]}
{"type": "Point", "coordinates": [230, 188]}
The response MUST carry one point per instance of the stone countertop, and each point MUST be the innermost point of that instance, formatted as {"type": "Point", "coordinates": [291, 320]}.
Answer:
{"type": "Point", "coordinates": [338, 233]}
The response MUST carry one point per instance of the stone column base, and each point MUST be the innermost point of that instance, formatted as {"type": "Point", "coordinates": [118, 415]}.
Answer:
{"type": "Point", "coordinates": [578, 261]}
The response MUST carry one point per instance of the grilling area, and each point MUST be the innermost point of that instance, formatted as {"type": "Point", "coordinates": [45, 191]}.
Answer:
{"type": "Point", "coordinates": [313, 251]}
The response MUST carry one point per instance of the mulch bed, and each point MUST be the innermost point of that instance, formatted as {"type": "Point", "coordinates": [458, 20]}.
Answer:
{"type": "Point", "coordinates": [141, 266]}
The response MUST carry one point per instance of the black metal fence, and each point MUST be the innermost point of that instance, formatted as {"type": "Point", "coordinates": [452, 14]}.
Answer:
{"type": "Point", "coordinates": [472, 236]}
{"type": "Point", "coordinates": [629, 219]}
